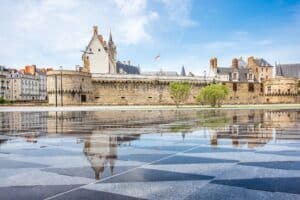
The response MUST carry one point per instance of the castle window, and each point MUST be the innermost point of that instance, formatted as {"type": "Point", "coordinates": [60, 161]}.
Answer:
{"type": "Point", "coordinates": [122, 97]}
{"type": "Point", "coordinates": [234, 119]}
{"type": "Point", "coordinates": [269, 90]}
{"type": "Point", "coordinates": [250, 87]}
{"type": "Point", "coordinates": [99, 50]}
{"type": "Point", "coordinates": [149, 97]}
{"type": "Point", "coordinates": [261, 88]}
{"type": "Point", "coordinates": [90, 49]}
{"type": "Point", "coordinates": [234, 87]}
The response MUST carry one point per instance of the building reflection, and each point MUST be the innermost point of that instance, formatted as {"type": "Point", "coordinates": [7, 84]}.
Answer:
{"type": "Point", "coordinates": [101, 151]}
{"type": "Point", "coordinates": [256, 128]}
{"type": "Point", "coordinates": [102, 133]}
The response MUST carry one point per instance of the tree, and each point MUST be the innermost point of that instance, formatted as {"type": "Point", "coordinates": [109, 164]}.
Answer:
{"type": "Point", "coordinates": [180, 92]}
{"type": "Point", "coordinates": [2, 100]}
{"type": "Point", "coordinates": [213, 94]}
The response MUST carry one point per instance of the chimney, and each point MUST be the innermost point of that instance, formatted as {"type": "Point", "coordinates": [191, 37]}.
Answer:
{"type": "Point", "coordinates": [215, 62]}
{"type": "Point", "coordinates": [211, 62]}
{"type": "Point", "coordinates": [95, 28]}
{"type": "Point", "coordinates": [235, 63]}
{"type": "Point", "coordinates": [251, 60]}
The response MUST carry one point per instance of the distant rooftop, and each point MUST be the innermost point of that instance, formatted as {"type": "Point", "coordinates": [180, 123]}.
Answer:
{"type": "Point", "coordinates": [124, 68]}
{"type": "Point", "coordinates": [288, 70]}
{"type": "Point", "coordinates": [262, 62]}
{"type": "Point", "coordinates": [160, 73]}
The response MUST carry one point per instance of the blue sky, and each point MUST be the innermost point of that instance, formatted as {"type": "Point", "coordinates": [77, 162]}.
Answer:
{"type": "Point", "coordinates": [51, 33]}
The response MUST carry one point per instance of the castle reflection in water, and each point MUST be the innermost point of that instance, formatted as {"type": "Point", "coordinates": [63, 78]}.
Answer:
{"type": "Point", "coordinates": [102, 132]}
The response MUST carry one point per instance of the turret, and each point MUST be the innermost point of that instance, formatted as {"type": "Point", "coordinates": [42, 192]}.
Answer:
{"type": "Point", "coordinates": [235, 63]}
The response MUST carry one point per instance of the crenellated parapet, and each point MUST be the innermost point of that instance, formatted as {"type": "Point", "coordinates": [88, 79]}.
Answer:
{"type": "Point", "coordinates": [115, 78]}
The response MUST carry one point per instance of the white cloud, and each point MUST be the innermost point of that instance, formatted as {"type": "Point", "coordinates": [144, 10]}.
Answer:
{"type": "Point", "coordinates": [50, 31]}
{"type": "Point", "coordinates": [179, 11]}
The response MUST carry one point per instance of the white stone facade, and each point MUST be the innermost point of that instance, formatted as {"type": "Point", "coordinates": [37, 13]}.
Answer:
{"type": "Point", "coordinates": [99, 57]}
{"type": "Point", "coordinates": [4, 83]}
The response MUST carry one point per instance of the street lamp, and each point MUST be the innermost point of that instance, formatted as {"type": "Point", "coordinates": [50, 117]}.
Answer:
{"type": "Point", "coordinates": [61, 88]}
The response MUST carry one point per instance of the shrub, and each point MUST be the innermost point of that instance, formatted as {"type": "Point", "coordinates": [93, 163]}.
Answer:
{"type": "Point", "coordinates": [213, 94]}
{"type": "Point", "coordinates": [180, 92]}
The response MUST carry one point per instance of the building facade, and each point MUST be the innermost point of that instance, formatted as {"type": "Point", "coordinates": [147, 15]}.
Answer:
{"type": "Point", "coordinates": [28, 84]}
{"type": "Point", "coordinates": [24, 87]}
{"type": "Point", "coordinates": [100, 57]}
{"type": "Point", "coordinates": [4, 83]}
{"type": "Point", "coordinates": [104, 81]}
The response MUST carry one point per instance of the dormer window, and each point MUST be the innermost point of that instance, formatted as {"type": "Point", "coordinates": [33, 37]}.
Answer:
{"type": "Point", "coordinates": [234, 76]}
{"type": "Point", "coordinates": [250, 76]}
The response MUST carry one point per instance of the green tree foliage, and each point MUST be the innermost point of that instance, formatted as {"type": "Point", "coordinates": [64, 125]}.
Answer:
{"type": "Point", "coordinates": [213, 94]}
{"type": "Point", "coordinates": [180, 92]}
{"type": "Point", "coordinates": [2, 101]}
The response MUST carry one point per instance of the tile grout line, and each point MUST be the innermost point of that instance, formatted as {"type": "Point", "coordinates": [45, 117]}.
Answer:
{"type": "Point", "coordinates": [95, 182]}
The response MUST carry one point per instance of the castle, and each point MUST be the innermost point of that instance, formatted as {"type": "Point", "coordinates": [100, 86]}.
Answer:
{"type": "Point", "coordinates": [105, 81]}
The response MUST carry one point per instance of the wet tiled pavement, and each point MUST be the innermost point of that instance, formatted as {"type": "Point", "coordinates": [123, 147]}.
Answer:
{"type": "Point", "coordinates": [224, 154]}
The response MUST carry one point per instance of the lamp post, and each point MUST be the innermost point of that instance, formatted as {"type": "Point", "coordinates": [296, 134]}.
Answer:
{"type": "Point", "coordinates": [55, 90]}
{"type": "Point", "coordinates": [61, 88]}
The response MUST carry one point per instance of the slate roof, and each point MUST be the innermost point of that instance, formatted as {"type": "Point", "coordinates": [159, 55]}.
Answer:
{"type": "Point", "coordinates": [288, 70]}
{"type": "Point", "coordinates": [262, 62]}
{"type": "Point", "coordinates": [228, 71]}
{"type": "Point", "coordinates": [182, 71]}
{"type": "Point", "coordinates": [128, 69]}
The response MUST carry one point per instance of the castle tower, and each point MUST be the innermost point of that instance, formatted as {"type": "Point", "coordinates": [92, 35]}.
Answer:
{"type": "Point", "coordinates": [99, 56]}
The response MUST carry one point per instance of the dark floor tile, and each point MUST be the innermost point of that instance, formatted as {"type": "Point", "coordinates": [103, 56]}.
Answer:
{"type": "Point", "coordinates": [191, 160]}
{"type": "Point", "coordinates": [94, 195]}
{"type": "Point", "coordinates": [281, 153]}
{"type": "Point", "coordinates": [13, 164]}
{"type": "Point", "coordinates": [149, 175]}
{"type": "Point", "coordinates": [287, 165]}
{"type": "Point", "coordinates": [142, 157]}
{"type": "Point", "coordinates": [32, 192]}
{"type": "Point", "coordinates": [89, 172]}
{"type": "Point", "coordinates": [287, 185]}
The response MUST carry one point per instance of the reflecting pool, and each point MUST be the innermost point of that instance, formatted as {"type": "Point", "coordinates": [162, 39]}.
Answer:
{"type": "Point", "coordinates": [150, 154]}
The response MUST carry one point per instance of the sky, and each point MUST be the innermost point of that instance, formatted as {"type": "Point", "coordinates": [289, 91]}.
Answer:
{"type": "Point", "coordinates": [52, 33]}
